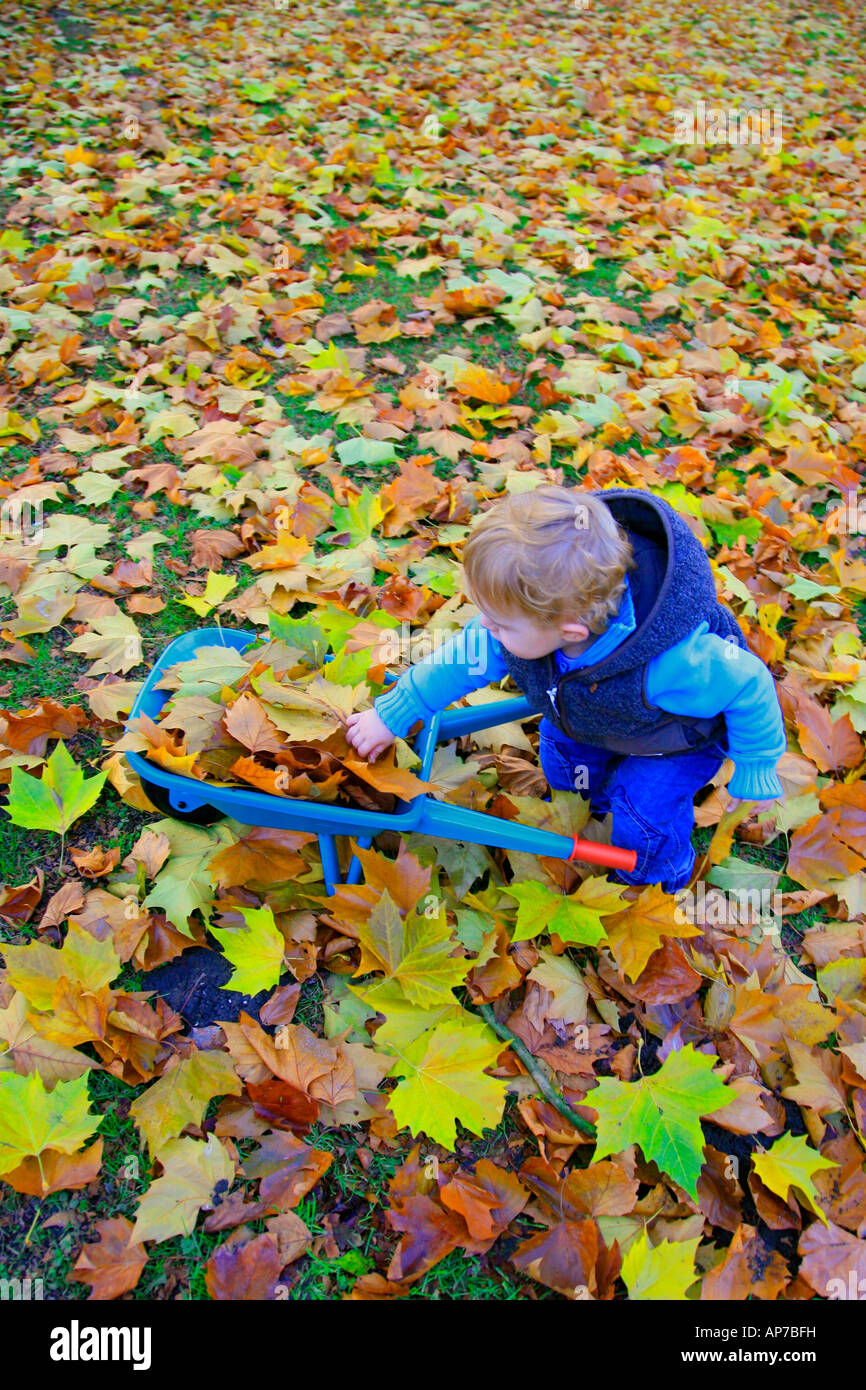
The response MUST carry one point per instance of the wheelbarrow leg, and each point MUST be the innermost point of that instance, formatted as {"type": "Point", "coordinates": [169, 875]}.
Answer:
{"type": "Point", "coordinates": [356, 869]}
{"type": "Point", "coordinates": [330, 862]}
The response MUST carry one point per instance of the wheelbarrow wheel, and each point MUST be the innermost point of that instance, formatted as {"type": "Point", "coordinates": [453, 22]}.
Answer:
{"type": "Point", "coordinates": [202, 815]}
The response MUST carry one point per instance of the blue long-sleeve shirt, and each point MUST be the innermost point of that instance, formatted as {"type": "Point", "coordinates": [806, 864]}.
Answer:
{"type": "Point", "coordinates": [701, 676]}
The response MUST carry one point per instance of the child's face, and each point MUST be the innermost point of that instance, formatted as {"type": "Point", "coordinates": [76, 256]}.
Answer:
{"type": "Point", "coordinates": [529, 638]}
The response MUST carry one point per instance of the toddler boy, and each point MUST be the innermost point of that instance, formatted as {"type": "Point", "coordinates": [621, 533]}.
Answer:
{"type": "Point", "coordinates": [602, 608]}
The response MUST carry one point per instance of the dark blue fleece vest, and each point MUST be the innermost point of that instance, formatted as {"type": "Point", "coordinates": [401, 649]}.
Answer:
{"type": "Point", "coordinates": [673, 591]}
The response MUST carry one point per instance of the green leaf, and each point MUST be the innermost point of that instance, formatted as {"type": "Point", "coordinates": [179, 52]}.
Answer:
{"type": "Point", "coordinates": [350, 668]}
{"type": "Point", "coordinates": [56, 801]}
{"type": "Point", "coordinates": [257, 91]}
{"type": "Point", "coordinates": [33, 1119]}
{"type": "Point", "coordinates": [728, 532]}
{"type": "Point", "coordinates": [414, 952]}
{"type": "Point", "coordinates": [663, 1271]}
{"type": "Point", "coordinates": [301, 633]}
{"type": "Point", "coordinates": [543, 910]}
{"type": "Point", "coordinates": [472, 928]}
{"type": "Point", "coordinates": [662, 1113]}
{"type": "Point", "coordinates": [256, 952]}
{"type": "Point", "coordinates": [807, 589]}
{"type": "Point", "coordinates": [437, 573]}
{"type": "Point", "coordinates": [623, 352]}
{"type": "Point", "coordinates": [212, 667]}
{"type": "Point", "coordinates": [792, 1163]}
{"type": "Point", "coordinates": [342, 1009]}
{"type": "Point", "coordinates": [361, 517]}
{"type": "Point", "coordinates": [184, 884]}
{"type": "Point", "coordinates": [444, 1082]}
{"type": "Point", "coordinates": [404, 1022]}
{"type": "Point", "coordinates": [361, 450]}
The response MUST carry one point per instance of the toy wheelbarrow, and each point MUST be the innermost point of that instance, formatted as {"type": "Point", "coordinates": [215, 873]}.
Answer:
{"type": "Point", "coordinates": [186, 798]}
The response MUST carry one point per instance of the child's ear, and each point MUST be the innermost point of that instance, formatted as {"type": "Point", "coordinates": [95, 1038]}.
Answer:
{"type": "Point", "coordinates": [574, 631]}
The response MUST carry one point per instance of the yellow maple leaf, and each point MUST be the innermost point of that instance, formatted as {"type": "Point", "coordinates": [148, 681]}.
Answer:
{"type": "Point", "coordinates": [633, 935]}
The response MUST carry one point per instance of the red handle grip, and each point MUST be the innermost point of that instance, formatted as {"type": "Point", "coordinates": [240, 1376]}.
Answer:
{"type": "Point", "coordinates": [611, 856]}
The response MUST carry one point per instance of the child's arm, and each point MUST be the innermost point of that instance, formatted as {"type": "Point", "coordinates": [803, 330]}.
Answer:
{"type": "Point", "coordinates": [703, 676]}
{"type": "Point", "coordinates": [469, 660]}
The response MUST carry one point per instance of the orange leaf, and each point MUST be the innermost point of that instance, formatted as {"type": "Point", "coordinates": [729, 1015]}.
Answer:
{"type": "Point", "coordinates": [111, 1265]}
{"type": "Point", "coordinates": [829, 744]}
{"type": "Point", "coordinates": [58, 1173]}
{"type": "Point", "coordinates": [488, 1200]}
{"type": "Point", "coordinates": [818, 859]}
{"type": "Point", "coordinates": [398, 781]}
{"type": "Point", "coordinates": [263, 855]}
{"type": "Point", "coordinates": [749, 1268]}
{"type": "Point", "coordinates": [247, 722]}
{"type": "Point", "coordinates": [481, 385]}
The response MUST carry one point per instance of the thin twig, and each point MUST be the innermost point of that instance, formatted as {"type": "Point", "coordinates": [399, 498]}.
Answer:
{"type": "Point", "coordinates": [545, 1087]}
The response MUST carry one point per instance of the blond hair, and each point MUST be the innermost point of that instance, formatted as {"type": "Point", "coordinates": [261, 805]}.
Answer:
{"type": "Point", "coordinates": [551, 554]}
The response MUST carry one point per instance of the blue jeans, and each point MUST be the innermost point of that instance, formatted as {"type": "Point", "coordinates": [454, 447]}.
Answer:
{"type": "Point", "coordinates": [652, 799]}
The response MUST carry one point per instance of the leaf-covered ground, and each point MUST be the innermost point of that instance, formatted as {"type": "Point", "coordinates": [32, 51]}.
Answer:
{"type": "Point", "coordinates": [289, 293]}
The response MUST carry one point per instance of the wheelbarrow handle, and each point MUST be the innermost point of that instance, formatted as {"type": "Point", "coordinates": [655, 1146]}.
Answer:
{"type": "Point", "coordinates": [611, 856]}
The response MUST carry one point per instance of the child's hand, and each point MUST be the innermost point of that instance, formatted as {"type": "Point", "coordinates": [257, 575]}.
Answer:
{"type": "Point", "coordinates": [367, 734]}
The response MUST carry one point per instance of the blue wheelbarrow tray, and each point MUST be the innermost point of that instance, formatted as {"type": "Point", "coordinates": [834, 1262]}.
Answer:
{"type": "Point", "coordinates": [423, 815]}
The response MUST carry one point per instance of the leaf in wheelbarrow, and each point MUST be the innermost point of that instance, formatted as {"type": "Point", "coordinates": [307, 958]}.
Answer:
{"type": "Point", "coordinates": [196, 715]}
{"type": "Point", "coordinates": [301, 725]}
{"type": "Point", "coordinates": [316, 694]}
{"type": "Point", "coordinates": [247, 721]}
{"type": "Point", "coordinates": [662, 1113]}
{"type": "Point", "coordinates": [273, 780]}
{"type": "Point", "coordinates": [212, 667]}
{"type": "Point", "coordinates": [398, 781]}
{"type": "Point", "coordinates": [444, 1081]}
{"type": "Point", "coordinates": [256, 951]}
{"type": "Point", "coordinates": [306, 712]}
{"type": "Point", "coordinates": [57, 799]}
{"type": "Point", "coordinates": [301, 633]}
{"type": "Point", "coordinates": [184, 764]}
